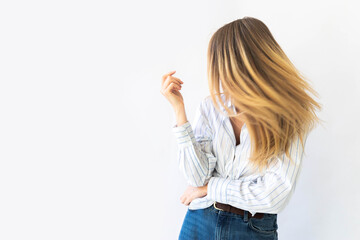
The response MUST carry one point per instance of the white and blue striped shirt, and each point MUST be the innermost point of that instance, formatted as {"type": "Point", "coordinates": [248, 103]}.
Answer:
{"type": "Point", "coordinates": [208, 153]}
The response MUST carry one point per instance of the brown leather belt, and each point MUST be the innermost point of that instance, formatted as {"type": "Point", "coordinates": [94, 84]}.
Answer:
{"type": "Point", "coordinates": [229, 208]}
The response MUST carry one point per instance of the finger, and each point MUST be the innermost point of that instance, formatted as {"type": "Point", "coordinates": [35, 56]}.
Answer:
{"type": "Point", "coordinates": [172, 87]}
{"type": "Point", "coordinates": [177, 79]}
{"type": "Point", "coordinates": [167, 74]}
{"type": "Point", "coordinates": [170, 80]}
{"type": "Point", "coordinates": [167, 83]}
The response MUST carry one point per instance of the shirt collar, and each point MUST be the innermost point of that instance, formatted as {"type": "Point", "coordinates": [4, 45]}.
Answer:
{"type": "Point", "coordinates": [227, 103]}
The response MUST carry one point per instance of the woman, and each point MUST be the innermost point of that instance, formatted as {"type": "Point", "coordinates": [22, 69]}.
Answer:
{"type": "Point", "coordinates": [243, 154]}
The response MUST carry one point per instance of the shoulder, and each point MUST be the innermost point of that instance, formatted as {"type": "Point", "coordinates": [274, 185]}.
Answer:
{"type": "Point", "coordinates": [206, 100]}
{"type": "Point", "coordinates": [206, 104]}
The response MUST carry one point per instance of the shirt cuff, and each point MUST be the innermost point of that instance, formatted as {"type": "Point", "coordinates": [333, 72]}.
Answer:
{"type": "Point", "coordinates": [184, 134]}
{"type": "Point", "coordinates": [218, 189]}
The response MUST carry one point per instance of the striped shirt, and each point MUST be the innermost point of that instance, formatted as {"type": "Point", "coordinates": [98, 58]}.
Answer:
{"type": "Point", "coordinates": [207, 153]}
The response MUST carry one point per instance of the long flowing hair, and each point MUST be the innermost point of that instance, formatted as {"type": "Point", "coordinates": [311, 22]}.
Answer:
{"type": "Point", "coordinates": [271, 95]}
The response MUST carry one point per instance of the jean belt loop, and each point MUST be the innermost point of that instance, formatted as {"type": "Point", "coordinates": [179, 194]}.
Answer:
{"type": "Point", "coordinates": [246, 216]}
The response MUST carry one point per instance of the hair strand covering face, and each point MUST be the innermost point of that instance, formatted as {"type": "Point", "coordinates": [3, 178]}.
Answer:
{"type": "Point", "coordinates": [272, 96]}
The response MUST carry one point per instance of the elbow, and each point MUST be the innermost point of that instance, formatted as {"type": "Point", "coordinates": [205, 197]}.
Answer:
{"type": "Point", "coordinates": [279, 198]}
{"type": "Point", "coordinates": [197, 182]}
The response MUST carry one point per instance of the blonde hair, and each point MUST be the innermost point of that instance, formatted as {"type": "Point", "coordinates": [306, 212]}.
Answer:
{"type": "Point", "coordinates": [263, 84]}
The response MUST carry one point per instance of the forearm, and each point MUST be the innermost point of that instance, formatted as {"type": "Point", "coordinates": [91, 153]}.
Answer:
{"type": "Point", "coordinates": [195, 157]}
{"type": "Point", "coordinates": [268, 192]}
{"type": "Point", "coordinates": [180, 115]}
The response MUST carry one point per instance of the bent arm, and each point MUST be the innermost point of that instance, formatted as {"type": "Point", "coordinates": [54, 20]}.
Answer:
{"type": "Point", "coordinates": [195, 158]}
{"type": "Point", "coordinates": [267, 193]}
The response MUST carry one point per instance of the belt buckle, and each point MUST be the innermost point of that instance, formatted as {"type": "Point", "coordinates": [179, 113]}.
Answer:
{"type": "Point", "coordinates": [216, 207]}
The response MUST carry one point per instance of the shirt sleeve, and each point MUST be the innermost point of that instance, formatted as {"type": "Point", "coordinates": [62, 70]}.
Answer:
{"type": "Point", "coordinates": [268, 192]}
{"type": "Point", "coordinates": [195, 156]}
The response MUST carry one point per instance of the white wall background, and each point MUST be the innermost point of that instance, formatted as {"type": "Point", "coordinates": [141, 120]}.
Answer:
{"type": "Point", "coordinates": [86, 148]}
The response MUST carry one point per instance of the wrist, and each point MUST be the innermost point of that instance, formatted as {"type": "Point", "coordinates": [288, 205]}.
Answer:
{"type": "Point", "coordinates": [205, 189]}
{"type": "Point", "coordinates": [180, 115]}
{"type": "Point", "coordinates": [179, 107]}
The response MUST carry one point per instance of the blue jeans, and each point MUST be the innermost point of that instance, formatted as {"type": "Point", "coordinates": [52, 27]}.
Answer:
{"type": "Point", "coordinates": [213, 224]}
